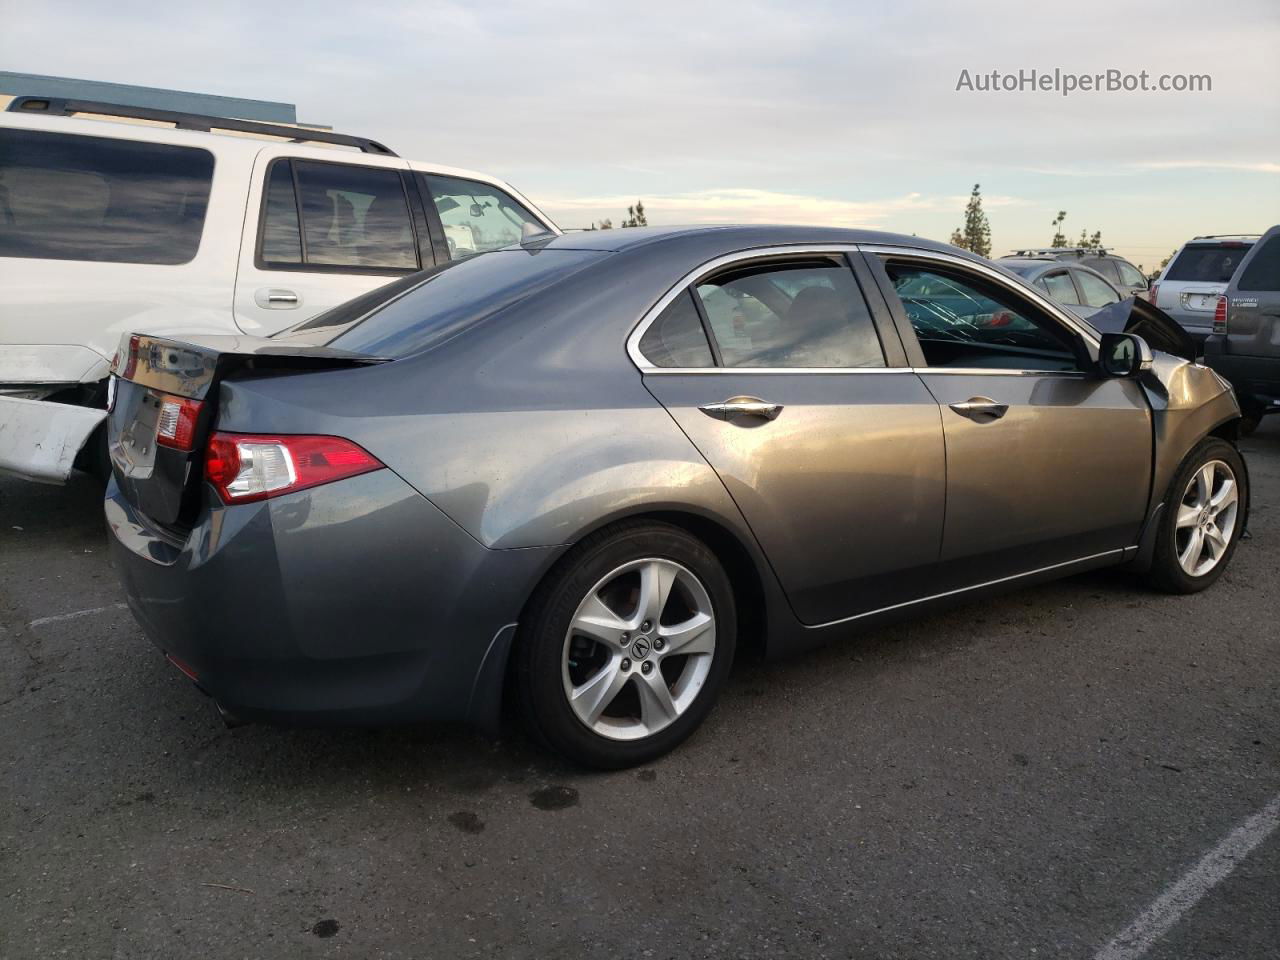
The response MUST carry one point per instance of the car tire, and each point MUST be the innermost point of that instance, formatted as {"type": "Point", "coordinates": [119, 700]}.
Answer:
{"type": "Point", "coordinates": [596, 697]}
{"type": "Point", "coordinates": [1251, 415]}
{"type": "Point", "coordinates": [1190, 515]}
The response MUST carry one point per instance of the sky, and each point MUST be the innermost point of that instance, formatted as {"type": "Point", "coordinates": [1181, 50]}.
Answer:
{"type": "Point", "coordinates": [843, 113]}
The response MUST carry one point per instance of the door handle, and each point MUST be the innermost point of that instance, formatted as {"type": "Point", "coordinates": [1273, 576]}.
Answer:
{"type": "Point", "coordinates": [980, 409]}
{"type": "Point", "coordinates": [742, 407]}
{"type": "Point", "coordinates": [274, 298]}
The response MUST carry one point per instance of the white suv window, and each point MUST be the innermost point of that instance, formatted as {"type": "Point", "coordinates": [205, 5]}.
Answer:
{"type": "Point", "coordinates": [354, 217]}
{"type": "Point", "coordinates": [69, 197]}
{"type": "Point", "coordinates": [476, 217]}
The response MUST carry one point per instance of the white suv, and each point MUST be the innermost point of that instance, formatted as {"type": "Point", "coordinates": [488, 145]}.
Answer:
{"type": "Point", "coordinates": [110, 226]}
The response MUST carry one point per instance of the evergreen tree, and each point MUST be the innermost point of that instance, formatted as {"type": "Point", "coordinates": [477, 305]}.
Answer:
{"type": "Point", "coordinates": [1059, 239]}
{"type": "Point", "coordinates": [976, 234]}
{"type": "Point", "coordinates": [635, 216]}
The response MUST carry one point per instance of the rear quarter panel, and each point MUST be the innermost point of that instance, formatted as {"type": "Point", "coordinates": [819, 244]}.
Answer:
{"type": "Point", "coordinates": [531, 429]}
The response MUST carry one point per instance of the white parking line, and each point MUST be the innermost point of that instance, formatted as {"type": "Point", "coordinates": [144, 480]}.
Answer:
{"type": "Point", "coordinates": [79, 613]}
{"type": "Point", "coordinates": [1214, 867]}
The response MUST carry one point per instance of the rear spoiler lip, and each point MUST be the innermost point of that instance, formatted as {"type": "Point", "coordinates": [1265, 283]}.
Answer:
{"type": "Point", "coordinates": [188, 367]}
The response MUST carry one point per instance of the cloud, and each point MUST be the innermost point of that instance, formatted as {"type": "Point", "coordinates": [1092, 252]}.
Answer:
{"type": "Point", "coordinates": [753, 205]}
{"type": "Point", "coordinates": [795, 110]}
{"type": "Point", "coordinates": [1261, 167]}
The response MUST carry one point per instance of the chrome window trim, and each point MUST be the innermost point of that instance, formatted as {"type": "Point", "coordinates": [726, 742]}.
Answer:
{"type": "Point", "coordinates": [759, 253]}
{"type": "Point", "coordinates": [710, 266]}
{"type": "Point", "coordinates": [844, 371]}
{"type": "Point", "coordinates": [997, 276]}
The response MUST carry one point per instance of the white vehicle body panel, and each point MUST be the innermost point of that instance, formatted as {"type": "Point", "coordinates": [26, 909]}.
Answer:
{"type": "Point", "coordinates": [39, 441]}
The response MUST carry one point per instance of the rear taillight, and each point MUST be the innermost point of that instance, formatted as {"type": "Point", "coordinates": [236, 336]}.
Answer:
{"type": "Point", "coordinates": [248, 467]}
{"type": "Point", "coordinates": [176, 424]}
{"type": "Point", "coordinates": [1220, 316]}
{"type": "Point", "coordinates": [1151, 294]}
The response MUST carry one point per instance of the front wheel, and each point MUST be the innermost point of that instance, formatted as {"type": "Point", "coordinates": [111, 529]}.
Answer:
{"type": "Point", "coordinates": [1203, 518]}
{"type": "Point", "coordinates": [626, 647]}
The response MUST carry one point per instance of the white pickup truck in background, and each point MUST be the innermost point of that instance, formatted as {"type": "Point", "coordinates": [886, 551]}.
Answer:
{"type": "Point", "coordinates": [148, 221]}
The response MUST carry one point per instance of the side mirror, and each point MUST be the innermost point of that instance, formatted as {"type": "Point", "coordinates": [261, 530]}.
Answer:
{"type": "Point", "coordinates": [1123, 355]}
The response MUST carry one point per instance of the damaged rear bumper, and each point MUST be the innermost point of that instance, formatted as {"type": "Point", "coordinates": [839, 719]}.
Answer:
{"type": "Point", "coordinates": [39, 439]}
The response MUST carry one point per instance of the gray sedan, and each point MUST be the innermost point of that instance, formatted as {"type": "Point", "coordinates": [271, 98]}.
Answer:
{"type": "Point", "coordinates": [579, 474]}
{"type": "Point", "coordinates": [1080, 289]}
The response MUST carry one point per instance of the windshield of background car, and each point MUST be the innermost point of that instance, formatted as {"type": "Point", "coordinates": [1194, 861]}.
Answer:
{"type": "Point", "coordinates": [418, 311]}
{"type": "Point", "coordinates": [1203, 263]}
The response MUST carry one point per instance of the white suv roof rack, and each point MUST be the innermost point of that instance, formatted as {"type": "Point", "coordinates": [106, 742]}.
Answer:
{"type": "Point", "coordinates": [61, 106]}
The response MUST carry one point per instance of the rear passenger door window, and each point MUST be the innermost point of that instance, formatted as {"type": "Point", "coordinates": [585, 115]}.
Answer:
{"type": "Point", "coordinates": [803, 314]}
{"type": "Point", "coordinates": [1060, 288]}
{"type": "Point", "coordinates": [352, 217]}
{"type": "Point", "coordinates": [476, 217]}
{"type": "Point", "coordinates": [677, 338]}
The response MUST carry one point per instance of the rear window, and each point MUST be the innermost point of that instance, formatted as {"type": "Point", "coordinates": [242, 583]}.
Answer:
{"type": "Point", "coordinates": [1206, 263]}
{"type": "Point", "coordinates": [414, 313]}
{"type": "Point", "coordinates": [1105, 267]}
{"type": "Point", "coordinates": [68, 197]}
{"type": "Point", "coordinates": [1262, 274]}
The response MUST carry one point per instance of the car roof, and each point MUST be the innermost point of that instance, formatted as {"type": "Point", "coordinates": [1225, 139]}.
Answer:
{"type": "Point", "coordinates": [734, 237]}
{"type": "Point", "coordinates": [1038, 266]}
{"type": "Point", "coordinates": [1031, 263]}
{"type": "Point", "coordinates": [1232, 241]}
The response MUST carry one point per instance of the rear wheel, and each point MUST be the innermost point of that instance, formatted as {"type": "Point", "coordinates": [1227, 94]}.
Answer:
{"type": "Point", "coordinates": [626, 647]}
{"type": "Point", "coordinates": [1203, 518]}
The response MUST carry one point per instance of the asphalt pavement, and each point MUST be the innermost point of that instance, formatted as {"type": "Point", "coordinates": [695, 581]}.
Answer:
{"type": "Point", "coordinates": [1028, 776]}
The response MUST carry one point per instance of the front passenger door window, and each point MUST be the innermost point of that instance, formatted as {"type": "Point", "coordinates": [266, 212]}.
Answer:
{"type": "Point", "coordinates": [476, 217]}
{"type": "Point", "coordinates": [964, 322]}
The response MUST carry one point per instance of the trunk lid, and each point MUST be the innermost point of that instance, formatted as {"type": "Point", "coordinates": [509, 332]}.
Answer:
{"type": "Point", "coordinates": [162, 403]}
{"type": "Point", "coordinates": [1138, 316]}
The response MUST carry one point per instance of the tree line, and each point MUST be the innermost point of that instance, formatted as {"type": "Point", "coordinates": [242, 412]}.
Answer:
{"type": "Point", "coordinates": [975, 234]}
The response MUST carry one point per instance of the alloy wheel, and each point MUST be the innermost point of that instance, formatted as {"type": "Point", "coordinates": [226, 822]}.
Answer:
{"type": "Point", "coordinates": [638, 649]}
{"type": "Point", "coordinates": [1206, 518]}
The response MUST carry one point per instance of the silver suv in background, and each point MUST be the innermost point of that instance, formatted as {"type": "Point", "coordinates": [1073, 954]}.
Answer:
{"type": "Point", "coordinates": [1117, 271]}
{"type": "Point", "coordinates": [1189, 287]}
{"type": "Point", "coordinates": [1245, 344]}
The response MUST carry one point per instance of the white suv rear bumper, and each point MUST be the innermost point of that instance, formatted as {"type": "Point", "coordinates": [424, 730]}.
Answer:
{"type": "Point", "coordinates": [39, 440]}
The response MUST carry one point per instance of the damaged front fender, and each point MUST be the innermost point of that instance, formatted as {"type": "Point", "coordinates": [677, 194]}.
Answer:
{"type": "Point", "coordinates": [39, 440]}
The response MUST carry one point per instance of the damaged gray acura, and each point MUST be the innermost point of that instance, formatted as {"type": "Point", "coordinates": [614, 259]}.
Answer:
{"type": "Point", "coordinates": [577, 474]}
